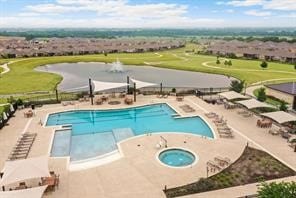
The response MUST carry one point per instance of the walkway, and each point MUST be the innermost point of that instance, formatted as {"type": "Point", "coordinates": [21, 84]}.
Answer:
{"type": "Point", "coordinates": [5, 68]}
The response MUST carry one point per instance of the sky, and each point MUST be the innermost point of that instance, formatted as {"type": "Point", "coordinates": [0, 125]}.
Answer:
{"type": "Point", "coordinates": [146, 13]}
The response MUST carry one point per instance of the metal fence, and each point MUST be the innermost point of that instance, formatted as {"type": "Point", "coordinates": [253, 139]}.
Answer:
{"type": "Point", "coordinates": [53, 97]}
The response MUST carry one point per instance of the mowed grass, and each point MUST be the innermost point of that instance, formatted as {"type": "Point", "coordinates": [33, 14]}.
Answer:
{"type": "Point", "coordinates": [23, 78]}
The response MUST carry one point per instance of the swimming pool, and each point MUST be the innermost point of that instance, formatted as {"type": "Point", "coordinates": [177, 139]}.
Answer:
{"type": "Point", "coordinates": [97, 132]}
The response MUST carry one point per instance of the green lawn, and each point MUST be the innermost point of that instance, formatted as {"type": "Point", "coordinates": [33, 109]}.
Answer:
{"type": "Point", "coordinates": [22, 78]}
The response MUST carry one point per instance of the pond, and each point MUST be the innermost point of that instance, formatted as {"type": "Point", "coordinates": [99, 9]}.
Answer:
{"type": "Point", "coordinates": [77, 74]}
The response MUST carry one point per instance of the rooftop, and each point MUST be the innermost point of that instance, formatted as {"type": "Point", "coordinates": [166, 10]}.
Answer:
{"type": "Point", "coordinates": [289, 88]}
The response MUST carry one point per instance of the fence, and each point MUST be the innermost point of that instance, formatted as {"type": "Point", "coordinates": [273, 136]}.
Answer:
{"type": "Point", "coordinates": [53, 97]}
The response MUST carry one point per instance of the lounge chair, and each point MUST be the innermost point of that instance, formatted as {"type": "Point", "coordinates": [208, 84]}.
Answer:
{"type": "Point", "coordinates": [223, 161]}
{"type": "Point", "coordinates": [274, 132]}
{"type": "Point", "coordinates": [213, 165]}
{"type": "Point", "coordinates": [65, 103]}
{"type": "Point", "coordinates": [230, 135]}
{"type": "Point", "coordinates": [247, 115]}
{"type": "Point", "coordinates": [211, 115]}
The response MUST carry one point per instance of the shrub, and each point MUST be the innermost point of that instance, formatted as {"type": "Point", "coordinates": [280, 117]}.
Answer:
{"type": "Point", "coordinates": [261, 94]}
{"type": "Point", "coordinates": [173, 90]}
{"type": "Point", "coordinates": [264, 64]}
{"type": "Point", "coordinates": [218, 62]}
{"type": "Point", "coordinates": [237, 86]}
{"type": "Point", "coordinates": [229, 63]}
{"type": "Point", "coordinates": [283, 106]}
{"type": "Point", "coordinates": [19, 102]}
{"type": "Point", "coordinates": [275, 190]}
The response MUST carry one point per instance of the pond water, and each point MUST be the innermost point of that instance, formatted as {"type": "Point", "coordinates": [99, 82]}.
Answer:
{"type": "Point", "coordinates": [77, 74]}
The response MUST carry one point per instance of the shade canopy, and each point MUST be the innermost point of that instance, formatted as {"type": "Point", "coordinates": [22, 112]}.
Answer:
{"type": "Point", "coordinates": [253, 103]}
{"type": "Point", "coordinates": [102, 86]}
{"type": "Point", "coordinates": [36, 192]}
{"type": "Point", "coordinates": [230, 95]}
{"type": "Point", "coordinates": [141, 84]}
{"type": "Point", "coordinates": [19, 170]}
{"type": "Point", "coordinates": [280, 116]}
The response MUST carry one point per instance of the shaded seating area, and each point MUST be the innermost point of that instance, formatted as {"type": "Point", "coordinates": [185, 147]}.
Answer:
{"type": "Point", "coordinates": [23, 146]}
{"type": "Point", "coordinates": [230, 96]}
{"type": "Point", "coordinates": [253, 103]}
{"type": "Point", "coordinates": [33, 171]}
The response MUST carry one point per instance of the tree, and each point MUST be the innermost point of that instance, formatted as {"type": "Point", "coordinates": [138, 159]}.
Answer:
{"type": "Point", "coordinates": [275, 190]}
{"type": "Point", "coordinates": [283, 106]}
{"type": "Point", "coordinates": [225, 62]}
{"type": "Point", "coordinates": [261, 94]}
{"type": "Point", "coordinates": [264, 64]}
{"type": "Point", "coordinates": [237, 86]}
{"type": "Point", "coordinates": [218, 62]}
{"type": "Point", "coordinates": [295, 66]}
{"type": "Point", "coordinates": [229, 63]}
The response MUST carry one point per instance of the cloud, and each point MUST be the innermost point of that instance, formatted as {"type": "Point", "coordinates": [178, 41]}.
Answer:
{"type": "Point", "coordinates": [245, 3]}
{"type": "Point", "coordinates": [258, 13]}
{"type": "Point", "coordinates": [265, 4]}
{"type": "Point", "coordinates": [111, 8]}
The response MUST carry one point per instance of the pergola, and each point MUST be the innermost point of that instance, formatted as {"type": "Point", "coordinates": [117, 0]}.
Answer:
{"type": "Point", "coordinates": [280, 116]}
{"type": "Point", "coordinates": [253, 103]}
{"type": "Point", "coordinates": [231, 95]}
{"type": "Point", "coordinates": [35, 192]}
{"type": "Point", "coordinates": [20, 170]}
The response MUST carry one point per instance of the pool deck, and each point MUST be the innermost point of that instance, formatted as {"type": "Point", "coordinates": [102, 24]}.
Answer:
{"type": "Point", "coordinates": [137, 173]}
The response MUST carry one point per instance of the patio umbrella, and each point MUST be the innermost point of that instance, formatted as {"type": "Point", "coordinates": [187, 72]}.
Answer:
{"type": "Point", "coordinates": [4, 116]}
{"type": "Point", "coordinates": [11, 108]}
{"type": "Point", "coordinates": [36, 192]}
{"type": "Point", "coordinates": [20, 170]}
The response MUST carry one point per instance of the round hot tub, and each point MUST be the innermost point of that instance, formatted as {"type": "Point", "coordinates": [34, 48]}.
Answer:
{"type": "Point", "coordinates": [177, 158]}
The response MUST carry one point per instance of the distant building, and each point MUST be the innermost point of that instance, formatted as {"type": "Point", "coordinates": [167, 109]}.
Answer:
{"type": "Point", "coordinates": [283, 91]}
{"type": "Point", "coordinates": [269, 51]}
{"type": "Point", "coordinates": [17, 47]}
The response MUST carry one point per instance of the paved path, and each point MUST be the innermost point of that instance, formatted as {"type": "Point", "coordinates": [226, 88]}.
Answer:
{"type": "Point", "coordinates": [5, 67]}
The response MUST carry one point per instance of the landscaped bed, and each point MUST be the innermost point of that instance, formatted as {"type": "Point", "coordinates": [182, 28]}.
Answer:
{"type": "Point", "coordinates": [252, 166]}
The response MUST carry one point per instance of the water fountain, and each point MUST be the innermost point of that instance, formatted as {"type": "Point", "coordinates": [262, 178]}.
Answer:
{"type": "Point", "coordinates": [116, 67]}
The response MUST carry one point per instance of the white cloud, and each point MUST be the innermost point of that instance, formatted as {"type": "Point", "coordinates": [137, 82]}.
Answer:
{"type": "Point", "coordinates": [258, 13]}
{"type": "Point", "coordinates": [111, 8]}
{"type": "Point", "coordinates": [245, 2]}
{"type": "Point", "coordinates": [280, 5]}
{"type": "Point", "coordinates": [265, 4]}
{"type": "Point", "coordinates": [28, 14]}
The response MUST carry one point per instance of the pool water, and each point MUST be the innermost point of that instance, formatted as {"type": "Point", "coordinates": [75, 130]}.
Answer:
{"type": "Point", "coordinates": [96, 132]}
{"type": "Point", "coordinates": [177, 157]}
